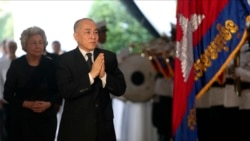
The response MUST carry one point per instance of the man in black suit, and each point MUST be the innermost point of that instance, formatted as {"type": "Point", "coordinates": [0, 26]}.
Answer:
{"type": "Point", "coordinates": [88, 113]}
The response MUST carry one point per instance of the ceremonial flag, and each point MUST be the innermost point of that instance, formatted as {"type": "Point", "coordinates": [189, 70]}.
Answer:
{"type": "Point", "coordinates": [164, 65]}
{"type": "Point", "coordinates": [208, 33]}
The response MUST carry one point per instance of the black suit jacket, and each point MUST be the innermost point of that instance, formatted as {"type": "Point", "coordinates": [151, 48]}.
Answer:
{"type": "Point", "coordinates": [87, 113]}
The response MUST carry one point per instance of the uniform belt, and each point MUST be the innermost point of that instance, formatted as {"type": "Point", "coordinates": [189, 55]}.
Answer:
{"type": "Point", "coordinates": [228, 81]}
{"type": "Point", "coordinates": [244, 85]}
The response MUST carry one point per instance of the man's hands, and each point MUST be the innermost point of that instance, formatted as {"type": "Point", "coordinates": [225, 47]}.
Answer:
{"type": "Point", "coordinates": [98, 67]}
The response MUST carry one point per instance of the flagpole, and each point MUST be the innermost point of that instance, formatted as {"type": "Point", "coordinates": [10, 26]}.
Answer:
{"type": "Point", "coordinates": [237, 87]}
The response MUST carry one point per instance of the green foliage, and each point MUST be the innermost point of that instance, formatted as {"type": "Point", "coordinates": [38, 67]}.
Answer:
{"type": "Point", "coordinates": [6, 22]}
{"type": "Point", "coordinates": [124, 30]}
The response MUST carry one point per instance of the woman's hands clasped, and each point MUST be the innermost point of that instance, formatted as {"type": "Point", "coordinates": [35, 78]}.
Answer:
{"type": "Point", "coordinates": [37, 106]}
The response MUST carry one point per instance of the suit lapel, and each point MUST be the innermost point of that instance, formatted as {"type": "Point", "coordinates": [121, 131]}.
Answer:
{"type": "Point", "coordinates": [80, 60]}
{"type": "Point", "coordinates": [96, 52]}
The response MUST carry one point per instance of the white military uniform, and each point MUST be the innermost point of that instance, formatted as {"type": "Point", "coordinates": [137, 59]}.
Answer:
{"type": "Point", "coordinates": [203, 116]}
{"type": "Point", "coordinates": [244, 100]}
{"type": "Point", "coordinates": [4, 66]}
{"type": "Point", "coordinates": [162, 107]}
{"type": "Point", "coordinates": [216, 113]}
{"type": "Point", "coordinates": [231, 103]}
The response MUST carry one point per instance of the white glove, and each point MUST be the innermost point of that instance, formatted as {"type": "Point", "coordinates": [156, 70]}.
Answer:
{"type": "Point", "coordinates": [244, 74]}
{"type": "Point", "coordinates": [239, 71]}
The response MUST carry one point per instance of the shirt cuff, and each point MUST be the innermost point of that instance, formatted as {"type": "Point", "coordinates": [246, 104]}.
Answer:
{"type": "Point", "coordinates": [91, 79]}
{"type": "Point", "coordinates": [104, 80]}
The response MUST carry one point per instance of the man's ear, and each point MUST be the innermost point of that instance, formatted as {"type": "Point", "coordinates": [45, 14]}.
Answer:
{"type": "Point", "coordinates": [75, 36]}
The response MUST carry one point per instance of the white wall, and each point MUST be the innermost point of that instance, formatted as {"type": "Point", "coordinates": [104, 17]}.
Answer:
{"type": "Point", "coordinates": [160, 13]}
{"type": "Point", "coordinates": [55, 17]}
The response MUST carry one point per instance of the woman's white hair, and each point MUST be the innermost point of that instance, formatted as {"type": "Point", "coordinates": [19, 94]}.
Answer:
{"type": "Point", "coordinates": [27, 33]}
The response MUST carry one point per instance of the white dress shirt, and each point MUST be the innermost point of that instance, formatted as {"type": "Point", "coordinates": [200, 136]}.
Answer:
{"type": "Point", "coordinates": [103, 79]}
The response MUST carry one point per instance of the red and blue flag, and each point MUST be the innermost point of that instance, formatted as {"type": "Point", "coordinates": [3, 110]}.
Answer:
{"type": "Point", "coordinates": [209, 33]}
{"type": "Point", "coordinates": [164, 65]}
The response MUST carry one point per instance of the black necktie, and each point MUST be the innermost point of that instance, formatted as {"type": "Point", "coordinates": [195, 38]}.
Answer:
{"type": "Point", "coordinates": [89, 61]}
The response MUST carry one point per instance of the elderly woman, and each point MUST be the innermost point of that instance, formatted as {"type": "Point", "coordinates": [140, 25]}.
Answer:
{"type": "Point", "coordinates": [31, 91]}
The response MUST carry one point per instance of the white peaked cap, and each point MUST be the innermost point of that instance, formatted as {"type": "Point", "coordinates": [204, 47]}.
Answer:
{"type": "Point", "coordinates": [101, 24]}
